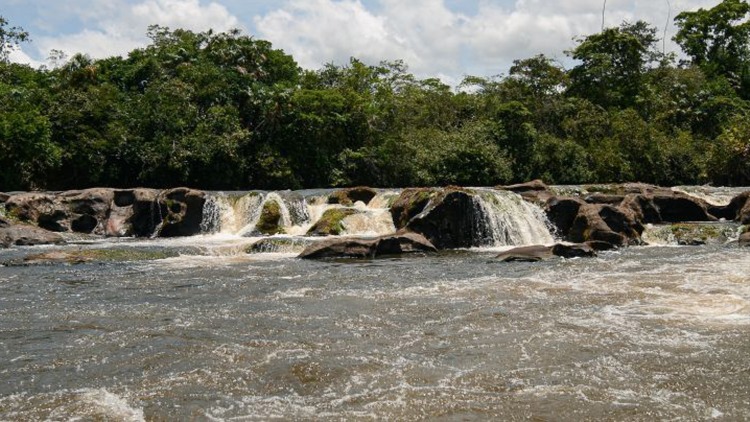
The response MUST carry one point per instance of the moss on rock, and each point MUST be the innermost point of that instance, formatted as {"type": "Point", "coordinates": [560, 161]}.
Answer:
{"type": "Point", "coordinates": [270, 219]}
{"type": "Point", "coordinates": [330, 222]}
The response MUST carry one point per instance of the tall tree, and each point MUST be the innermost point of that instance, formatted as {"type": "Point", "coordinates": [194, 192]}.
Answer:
{"type": "Point", "coordinates": [718, 40]}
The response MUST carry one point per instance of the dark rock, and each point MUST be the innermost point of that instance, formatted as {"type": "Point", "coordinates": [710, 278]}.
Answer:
{"type": "Point", "coordinates": [184, 212]}
{"type": "Point", "coordinates": [581, 250]}
{"type": "Point", "coordinates": [143, 216]}
{"type": "Point", "coordinates": [449, 220]}
{"type": "Point", "coordinates": [84, 224]}
{"type": "Point", "coordinates": [124, 198]}
{"type": "Point", "coordinates": [409, 203]}
{"type": "Point", "coordinates": [643, 208]}
{"type": "Point", "coordinates": [533, 253]}
{"type": "Point", "coordinates": [330, 223]}
{"type": "Point", "coordinates": [353, 247]}
{"type": "Point", "coordinates": [3, 222]}
{"type": "Point", "coordinates": [599, 245]}
{"type": "Point", "coordinates": [561, 212]}
{"type": "Point", "coordinates": [27, 235]}
{"type": "Point", "coordinates": [677, 207]}
{"type": "Point", "coordinates": [605, 223]}
{"type": "Point", "coordinates": [349, 196]}
{"type": "Point", "coordinates": [4, 197]}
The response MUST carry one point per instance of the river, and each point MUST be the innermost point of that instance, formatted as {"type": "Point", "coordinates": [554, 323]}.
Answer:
{"type": "Point", "coordinates": [209, 332]}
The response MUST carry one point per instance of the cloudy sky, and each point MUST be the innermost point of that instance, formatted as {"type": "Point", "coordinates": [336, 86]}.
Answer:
{"type": "Point", "coordinates": [436, 38]}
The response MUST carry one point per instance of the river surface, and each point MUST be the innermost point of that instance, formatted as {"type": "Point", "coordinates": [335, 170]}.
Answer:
{"type": "Point", "coordinates": [644, 333]}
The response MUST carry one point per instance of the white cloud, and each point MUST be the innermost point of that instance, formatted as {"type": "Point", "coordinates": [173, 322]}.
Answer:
{"type": "Point", "coordinates": [117, 27]}
{"type": "Point", "coordinates": [435, 40]}
{"type": "Point", "coordinates": [432, 38]}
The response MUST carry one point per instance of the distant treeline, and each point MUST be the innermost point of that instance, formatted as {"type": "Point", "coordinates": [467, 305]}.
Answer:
{"type": "Point", "coordinates": [226, 111]}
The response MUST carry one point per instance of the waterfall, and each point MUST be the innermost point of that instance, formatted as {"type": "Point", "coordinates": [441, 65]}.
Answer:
{"type": "Point", "coordinates": [506, 219]}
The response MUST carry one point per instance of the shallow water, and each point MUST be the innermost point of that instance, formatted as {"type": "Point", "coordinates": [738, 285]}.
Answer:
{"type": "Point", "coordinates": [643, 333]}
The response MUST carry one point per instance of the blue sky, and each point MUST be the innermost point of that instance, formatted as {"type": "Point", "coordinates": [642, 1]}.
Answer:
{"type": "Point", "coordinates": [436, 38]}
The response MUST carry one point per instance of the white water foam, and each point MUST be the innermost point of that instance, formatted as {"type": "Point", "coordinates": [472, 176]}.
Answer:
{"type": "Point", "coordinates": [512, 220]}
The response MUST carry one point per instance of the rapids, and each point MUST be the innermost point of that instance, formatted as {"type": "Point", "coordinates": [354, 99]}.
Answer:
{"type": "Point", "coordinates": [198, 329]}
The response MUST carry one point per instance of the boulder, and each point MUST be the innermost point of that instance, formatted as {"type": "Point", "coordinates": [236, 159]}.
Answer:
{"type": "Point", "coordinates": [26, 235]}
{"type": "Point", "coordinates": [349, 196]}
{"type": "Point", "coordinates": [599, 245]}
{"type": "Point", "coordinates": [270, 220]}
{"type": "Point", "coordinates": [4, 197]}
{"type": "Point", "coordinates": [449, 220]}
{"type": "Point", "coordinates": [533, 253]}
{"type": "Point", "coordinates": [182, 212]}
{"type": "Point", "coordinates": [37, 208]}
{"type": "Point", "coordinates": [666, 206]}
{"type": "Point", "coordinates": [358, 247]}
{"type": "Point", "coordinates": [561, 212]}
{"type": "Point", "coordinates": [409, 204]}
{"type": "Point", "coordinates": [605, 223]}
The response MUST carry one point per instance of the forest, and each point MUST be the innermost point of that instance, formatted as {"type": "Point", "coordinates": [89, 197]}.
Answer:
{"type": "Point", "coordinates": [226, 111]}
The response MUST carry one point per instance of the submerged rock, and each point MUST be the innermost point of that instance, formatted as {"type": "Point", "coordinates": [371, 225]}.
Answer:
{"type": "Point", "coordinates": [279, 244]}
{"type": "Point", "coordinates": [359, 247]}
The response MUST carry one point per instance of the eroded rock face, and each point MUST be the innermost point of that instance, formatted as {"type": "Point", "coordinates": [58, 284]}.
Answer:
{"type": "Point", "coordinates": [111, 212]}
{"type": "Point", "coordinates": [184, 212]}
{"type": "Point", "coordinates": [359, 247]}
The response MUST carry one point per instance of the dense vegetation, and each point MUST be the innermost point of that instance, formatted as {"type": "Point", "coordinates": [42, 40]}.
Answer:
{"type": "Point", "coordinates": [226, 111]}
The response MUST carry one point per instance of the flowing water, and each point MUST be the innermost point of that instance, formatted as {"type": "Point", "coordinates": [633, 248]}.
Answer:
{"type": "Point", "coordinates": [210, 332]}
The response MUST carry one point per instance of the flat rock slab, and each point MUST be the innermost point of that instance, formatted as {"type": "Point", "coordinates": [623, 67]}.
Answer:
{"type": "Point", "coordinates": [360, 247]}
{"type": "Point", "coordinates": [536, 253]}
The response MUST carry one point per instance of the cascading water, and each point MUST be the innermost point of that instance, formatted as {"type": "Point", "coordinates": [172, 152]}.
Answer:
{"type": "Point", "coordinates": [505, 219]}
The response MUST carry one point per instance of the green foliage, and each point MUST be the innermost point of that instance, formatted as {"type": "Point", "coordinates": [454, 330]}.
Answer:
{"type": "Point", "coordinates": [226, 111]}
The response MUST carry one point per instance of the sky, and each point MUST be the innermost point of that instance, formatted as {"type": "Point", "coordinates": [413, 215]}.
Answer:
{"type": "Point", "coordinates": [448, 39]}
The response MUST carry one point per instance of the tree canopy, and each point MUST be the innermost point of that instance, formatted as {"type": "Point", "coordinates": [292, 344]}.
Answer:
{"type": "Point", "coordinates": [228, 111]}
